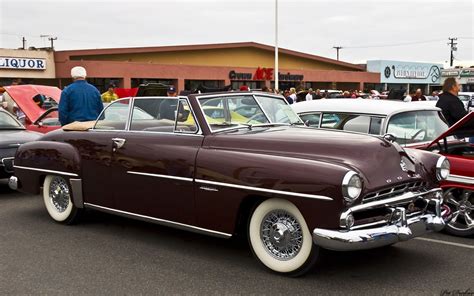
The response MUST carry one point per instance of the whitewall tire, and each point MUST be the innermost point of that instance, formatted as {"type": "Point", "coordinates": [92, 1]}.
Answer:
{"type": "Point", "coordinates": [57, 196]}
{"type": "Point", "coordinates": [280, 239]}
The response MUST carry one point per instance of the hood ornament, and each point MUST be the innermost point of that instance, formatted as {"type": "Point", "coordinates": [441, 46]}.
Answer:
{"type": "Point", "coordinates": [389, 137]}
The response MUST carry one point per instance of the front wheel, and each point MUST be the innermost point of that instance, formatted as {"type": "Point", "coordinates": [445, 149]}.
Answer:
{"type": "Point", "coordinates": [57, 199]}
{"type": "Point", "coordinates": [461, 205]}
{"type": "Point", "coordinates": [280, 239]}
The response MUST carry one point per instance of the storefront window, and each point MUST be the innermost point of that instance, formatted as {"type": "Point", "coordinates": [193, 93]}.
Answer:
{"type": "Point", "coordinates": [251, 84]}
{"type": "Point", "coordinates": [195, 84]}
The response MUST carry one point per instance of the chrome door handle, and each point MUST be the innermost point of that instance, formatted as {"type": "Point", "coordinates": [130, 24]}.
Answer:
{"type": "Point", "coordinates": [118, 143]}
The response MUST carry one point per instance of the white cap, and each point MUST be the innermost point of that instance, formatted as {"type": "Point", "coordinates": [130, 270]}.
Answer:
{"type": "Point", "coordinates": [78, 72]}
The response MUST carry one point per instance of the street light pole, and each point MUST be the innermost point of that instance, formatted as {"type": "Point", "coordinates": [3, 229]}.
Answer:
{"type": "Point", "coordinates": [276, 46]}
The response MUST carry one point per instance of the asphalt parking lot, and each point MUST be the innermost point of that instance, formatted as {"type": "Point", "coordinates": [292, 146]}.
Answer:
{"type": "Point", "coordinates": [112, 255]}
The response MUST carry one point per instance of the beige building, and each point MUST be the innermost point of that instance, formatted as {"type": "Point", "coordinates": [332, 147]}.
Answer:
{"type": "Point", "coordinates": [28, 65]}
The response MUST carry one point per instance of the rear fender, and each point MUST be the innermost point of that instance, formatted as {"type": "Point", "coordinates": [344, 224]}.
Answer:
{"type": "Point", "coordinates": [35, 160]}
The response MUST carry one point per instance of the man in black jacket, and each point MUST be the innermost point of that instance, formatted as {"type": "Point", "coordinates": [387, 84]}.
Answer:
{"type": "Point", "coordinates": [450, 104]}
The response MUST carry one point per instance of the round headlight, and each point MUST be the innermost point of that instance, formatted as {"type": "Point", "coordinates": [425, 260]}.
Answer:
{"type": "Point", "coordinates": [442, 168]}
{"type": "Point", "coordinates": [351, 186]}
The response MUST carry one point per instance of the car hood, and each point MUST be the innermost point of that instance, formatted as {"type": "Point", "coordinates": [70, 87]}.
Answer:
{"type": "Point", "coordinates": [23, 95]}
{"type": "Point", "coordinates": [12, 138]}
{"type": "Point", "coordinates": [462, 129]}
{"type": "Point", "coordinates": [377, 159]}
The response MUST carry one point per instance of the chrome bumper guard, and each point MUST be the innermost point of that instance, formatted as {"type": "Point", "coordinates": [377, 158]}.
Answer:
{"type": "Point", "coordinates": [13, 183]}
{"type": "Point", "coordinates": [401, 229]}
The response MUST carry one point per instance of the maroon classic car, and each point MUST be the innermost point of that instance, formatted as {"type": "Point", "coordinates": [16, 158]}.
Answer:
{"type": "Point", "coordinates": [234, 163]}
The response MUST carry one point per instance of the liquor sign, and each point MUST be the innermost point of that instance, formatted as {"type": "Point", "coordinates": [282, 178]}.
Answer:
{"type": "Point", "coordinates": [406, 72]}
{"type": "Point", "coordinates": [22, 63]}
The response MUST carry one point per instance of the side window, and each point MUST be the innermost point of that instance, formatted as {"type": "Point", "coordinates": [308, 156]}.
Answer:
{"type": "Point", "coordinates": [375, 125]}
{"type": "Point", "coordinates": [114, 116]}
{"type": "Point", "coordinates": [357, 123]}
{"type": "Point", "coordinates": [162, 115]}
{"type": "Point", "coordinates": [185, 122]}
{"type": "Point", "coordinates": [312, 119]}
{"type": "Point", "coordinates": [346, 122]}
{"type": "Point", "coordinates": [330, 120]}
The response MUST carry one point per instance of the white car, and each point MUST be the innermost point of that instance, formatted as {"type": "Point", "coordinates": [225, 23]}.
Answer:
{"type": "Point", "coordinates": [410, 123]}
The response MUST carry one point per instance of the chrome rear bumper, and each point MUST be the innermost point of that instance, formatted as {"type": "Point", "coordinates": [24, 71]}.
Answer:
{"type": "Point", "coordinates": [401, 230]}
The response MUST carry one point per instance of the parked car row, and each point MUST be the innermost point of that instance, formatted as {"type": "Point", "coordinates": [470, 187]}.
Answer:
{"type": "Point", "coordinates": [239, 163]}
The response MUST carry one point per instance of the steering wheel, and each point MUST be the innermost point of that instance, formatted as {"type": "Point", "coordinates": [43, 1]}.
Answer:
{"type": "Point", "coordinates": [253, 117]}
{"type": "Point", "coordinates": [243, 108]}
{"type": "Point", "coordinates": [418, 133]}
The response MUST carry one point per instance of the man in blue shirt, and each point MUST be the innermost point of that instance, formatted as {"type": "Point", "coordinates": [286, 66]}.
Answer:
{"type": "Point", "coordinates": [80, 101]}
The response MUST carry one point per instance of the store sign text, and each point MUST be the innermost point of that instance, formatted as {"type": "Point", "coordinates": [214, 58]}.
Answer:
{"type": "Point", "coordinates": [264, 74]}
{"type": "Point", "coordinates": [22, 63]}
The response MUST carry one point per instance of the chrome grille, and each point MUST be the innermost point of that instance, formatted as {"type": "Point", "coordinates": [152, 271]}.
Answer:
{"type": "Point", "coordinates": [418, 186]}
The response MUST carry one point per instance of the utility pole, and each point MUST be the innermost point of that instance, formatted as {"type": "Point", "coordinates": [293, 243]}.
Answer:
{"type": "Point", "coordinates": [52, 41]}
{"type": "Point", "coordinates": [24, 42]}
{"type": "Point", "coordinates": [277, 87]}
{"type": "Point", "coordinates": [453, 48]}
{"type": "Point", "coordinates": [337, 49]}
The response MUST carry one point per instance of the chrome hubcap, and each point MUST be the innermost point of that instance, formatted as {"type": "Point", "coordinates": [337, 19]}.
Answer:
{"type": "Point", "coordinates": [59, 194]}
{"type": "Point", "coordinates": [281, 235]}
{"type": "Point", "coordinates": [461, 203]}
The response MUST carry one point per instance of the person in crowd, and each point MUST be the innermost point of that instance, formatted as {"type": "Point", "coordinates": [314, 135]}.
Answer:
{"type": "Point", "coordinates": [317, 95]}
{"type": "Point", "coordinates": [80, 101]}
{"type": "Point", "coordinates": [266, 89]}
{"type": "Point", "coordinates": [309, 96]}
{"type": "Point", "coordinates": [287, 96]}
{"type": "Point", "coordinates": [450, 104]}
{"type": "Point", "coordinates": [346, 94]}
{"type": "Point", "coordinates": [418, 96]}
{"type": "Point", "coordinates": [3, 103]}
{"type": "Point", "coordinates": [435, 95]}
{"type": "Point", "coordinates": [293, 94]}
{"type": "Point", "coordinates": [171, 92]}
{"type": "Point", "coordinates": [109, 95]}
{"type": "Point", "coordinates": [354, 94]}
{"type": "Point", "coordinates": [20, 115]}
{"type": "Point", "coordinates": [409, 96]}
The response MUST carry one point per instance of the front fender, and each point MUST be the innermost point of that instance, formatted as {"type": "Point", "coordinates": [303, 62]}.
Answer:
{"type": "Point", "coordinates": [237, 174]}
{"type": "Point", "coordinates": [35, 160]}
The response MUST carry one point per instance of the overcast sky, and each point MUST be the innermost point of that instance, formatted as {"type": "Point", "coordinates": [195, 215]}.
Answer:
{"type": "Point", "coordinates": [414, 30]}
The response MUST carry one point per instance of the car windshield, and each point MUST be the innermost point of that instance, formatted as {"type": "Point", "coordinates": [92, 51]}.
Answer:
{"type": "Point", "coordinates": [247, 110]}
{"type": "Point", "coordinates": [7, 122]}
{"type": "Point", "coordinates": [416, 126]}
{"type": "Point", "coordinates": [464, 98]}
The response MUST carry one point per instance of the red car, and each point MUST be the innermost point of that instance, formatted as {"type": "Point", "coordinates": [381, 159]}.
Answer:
{"type": "Point", "coordinates": [37, 102]}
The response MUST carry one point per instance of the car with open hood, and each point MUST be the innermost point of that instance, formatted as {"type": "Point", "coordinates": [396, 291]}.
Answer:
{"type": "Point", "coordinates": [237, 163]}
{"type": "Point", "coordinates": [418, 125]}
{"type": "Point", "coordinates": [38, 104]}
{"type": "Point", "coordinates": [12, 135]}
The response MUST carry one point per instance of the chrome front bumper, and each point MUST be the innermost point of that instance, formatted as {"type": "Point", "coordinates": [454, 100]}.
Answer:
{"type": "Point", "coordinates": [392, 232]}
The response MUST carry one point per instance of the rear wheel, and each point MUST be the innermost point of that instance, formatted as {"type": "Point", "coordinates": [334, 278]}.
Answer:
{"type": "Point", "coordinates": [57, 199]}
{"type": "Point", "coordinates": [461, 204]}
{"type": "Point", "coordinates": [280, 239]}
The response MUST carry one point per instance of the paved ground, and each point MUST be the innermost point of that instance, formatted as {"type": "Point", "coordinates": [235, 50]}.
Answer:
{"type": "Point", "coordinates": [112, 255]}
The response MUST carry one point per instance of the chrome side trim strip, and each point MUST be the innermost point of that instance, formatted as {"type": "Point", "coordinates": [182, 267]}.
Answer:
{"type": "Point", "coordinates": [46, 171]}
{"type": "Point", "coordinates": [264, 190]}
{"type": "Point", "coordinates": [76, 186]}
{"type": "Point", "coordinates": [460, 179]}
{"type": "Point", "coordinates": [159, 221]}
{"type": "Point", "coordinates": [161, 176]}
